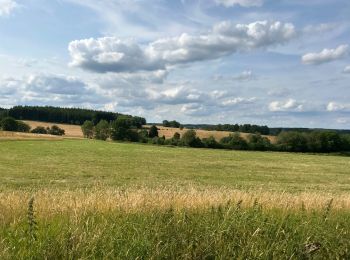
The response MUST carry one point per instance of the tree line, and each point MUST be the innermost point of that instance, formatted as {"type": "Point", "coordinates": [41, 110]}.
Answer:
{"type": "Point", "coordinates": [74, 116]}
{"type": "Point", "coordinates": [245, 128]}
{"type": "Point", "coordinates": [316, 141]}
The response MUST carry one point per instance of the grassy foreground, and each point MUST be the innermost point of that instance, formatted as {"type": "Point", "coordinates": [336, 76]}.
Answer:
{"type": "Point", "coordinates": [79, 199]}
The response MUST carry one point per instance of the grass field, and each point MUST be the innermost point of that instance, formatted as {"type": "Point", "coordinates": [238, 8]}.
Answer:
{"type": "Point", "coordinates": [108, 200]}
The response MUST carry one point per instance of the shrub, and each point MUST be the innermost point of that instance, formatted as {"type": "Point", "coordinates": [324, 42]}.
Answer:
{"type": "Point", "coordinates": [292, 141]}
{"type": "Point", "coordinates": [235, 142]}
{"type": "Point", "coordinates": [153, 131]}
{"type": "Point", "coordinates": [190, 138]}
{"type": "Point", "coordinates": [122, 129]}
{"type": "Point", "coordinates": [39, 130]}
{"type": "Point", "coordinates": [9, 124]}
{"type": "Point", "coordinates": [55, 130]}
{"type": "Point", "coordinates": [210, 143]}
{"type": "Point", "coordinates": [22, 127]}
{"type": "Point", "coordinates": [102, 130]}
{"type": "Point", "coordinates": [257, 142]}
{"type": "Point", "coordinates": [176, 136]}
{"type": "Point", "coordinates": [88, 129]}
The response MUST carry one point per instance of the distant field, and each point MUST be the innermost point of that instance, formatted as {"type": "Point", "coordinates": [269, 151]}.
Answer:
{"type": "Point", "coordinates": [70, 130]}
{"type": "Point", "coordinates": [95, 199]}
{"type": "Point", "coordinates": [169, 132]}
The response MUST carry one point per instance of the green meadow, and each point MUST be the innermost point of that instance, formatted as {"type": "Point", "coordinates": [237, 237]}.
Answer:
{"type": "Point", "coordinates": [86, 199]}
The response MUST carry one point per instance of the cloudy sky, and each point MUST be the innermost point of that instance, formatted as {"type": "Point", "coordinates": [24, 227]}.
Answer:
{"type": "Point", "coordinates": [274, 62]}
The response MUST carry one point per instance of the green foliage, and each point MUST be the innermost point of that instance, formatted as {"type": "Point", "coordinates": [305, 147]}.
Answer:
{"type": "Point", "coordinates": [88, 129]}
{"type": "Point", "coordinates": [10, 124]}
{"type": "Point", "coordinates": [316, 141]}
{"type": "Point", "coordinates": [102, 130]}
{"type": "Point", "coordinates": [246, 128]}
{"type": "Point", "coordinates": [65, 115]}
{"type": "Point", "coordinates": [176, 136]}
{"type": "Point", "coordinates": [39, 130]}
{"type": "Point", "coordinates": [210, 143]}
{"type": "Point", "coordinates": [22, 127]}
{"type": "Point", "coordinates": [124, 129]}
{"type": "Point", "coordinates": [256, 142]}
{"type": "Point", "coordinates": [55, 130]}
{"type": "Point", "coordinates": [235, 142]}
{"type": "Point", "coordinates": [173, 124]}
{"type": "Point", "coordinates": [153, 131]}
{"type": "Point", "coordinates": [189, 138]}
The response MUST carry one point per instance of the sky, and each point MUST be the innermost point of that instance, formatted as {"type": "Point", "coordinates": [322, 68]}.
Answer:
{"type": "Point", "coordinates": [281, 63]}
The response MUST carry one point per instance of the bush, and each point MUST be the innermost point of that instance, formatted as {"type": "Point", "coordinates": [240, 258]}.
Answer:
{"type": "Point", "coordinates": [40, 130]}
{"type": "Point", "coordinates": [123, 129]}
{"type": "Point", "coordinates": [190, 138]}
{"type": "Point", "coordinates": [256, 142]}
{"type": "Point", "coordinates": [88, 129]}
{"type": "Point", "coordinates": [210, 143]}
{"type": "Point", "coordinates": [235, 142]}
{"type": "Point", "coordinates": [9, 124]}
{"type": "Point", "coordinates": [102, 130]}
{"type": "Point", "coordinates": [292, 141]}
{"type": "Point", "coordinates": [177, 136]}
{"type": "Point", "coordinates": [55, 130]}
{"type": "Point", "coordinates": [153, 131]}
{"type": "Point", "coordinates": [22, 127]}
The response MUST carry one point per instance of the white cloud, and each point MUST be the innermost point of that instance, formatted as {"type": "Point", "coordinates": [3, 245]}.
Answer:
{"type": "Point", "coordinates": [7, 6]}
{"type": "Point", "coordinates": [243, 3]}
{"type": "Point", "coordinates": [334, 107]}
{"type": "Point", "coordinates": [39, 89]}
{"type": "Point", "coordinates": [110, 54]}
{"type": "Point", "coordinates": [237, 101]}
{"type": "Point", "coordinates": [288, 105]}
{"type": "Point", "coordinates": [347, 69]}
{"type": "Point", "coordinates": [56, 84]}
{"type": "Point", "coordinates": [326, 55]}
{"type": "Point", "coordinates": [246, 75]}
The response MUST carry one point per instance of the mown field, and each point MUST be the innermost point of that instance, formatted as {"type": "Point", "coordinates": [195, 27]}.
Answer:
{"type": "Point", "coordinates": [86, 199]}
{"type": "Point", "coordinates": [75, 131]}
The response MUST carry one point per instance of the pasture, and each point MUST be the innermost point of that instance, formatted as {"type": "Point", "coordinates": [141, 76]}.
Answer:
{"type": "Point", "coordinates": [94, 199]}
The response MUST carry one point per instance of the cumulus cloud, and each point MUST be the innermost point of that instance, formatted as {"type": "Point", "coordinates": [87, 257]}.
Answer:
{"type": "Point", "coordinates": [335, 106]}
{"type": "Point", "coordinates": [243, 3]}
{"type": "Point", "coordinates": [110, 54]}
{"type": "Point", "coordinates": [288, 105]}
{"type": "Point", "coordinates": [237, 101]}
{"type": "Point", "coordinates": [7, 6]}
{"type": "Point", "coordinates": [347, 69]}
{"type": "Point", "coordinates": [38, 89]}
{"type": "Point", "coordinates": [326, 55]}
{"type": "Point", "coordinates": [55, 84]}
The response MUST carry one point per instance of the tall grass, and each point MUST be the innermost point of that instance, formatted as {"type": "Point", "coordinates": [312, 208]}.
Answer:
{"type": "Point", "coordinates": [226, 227]}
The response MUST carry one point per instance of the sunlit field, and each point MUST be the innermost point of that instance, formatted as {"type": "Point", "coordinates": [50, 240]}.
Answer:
{"type": "Point", "coordinates": [92, 199]}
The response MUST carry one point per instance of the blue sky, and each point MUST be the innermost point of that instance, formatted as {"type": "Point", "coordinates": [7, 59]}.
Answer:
{"type": "Point", "coordinates": [280, 63]}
